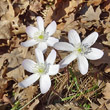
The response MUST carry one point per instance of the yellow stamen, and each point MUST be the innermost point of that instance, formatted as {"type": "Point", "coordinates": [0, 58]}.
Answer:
{"type": "Point", "coordinates": [79, 50]}
{"type": "Point", "coordinates": [41, 70]}
{"type": "Point", "coordinates": [41, 37]}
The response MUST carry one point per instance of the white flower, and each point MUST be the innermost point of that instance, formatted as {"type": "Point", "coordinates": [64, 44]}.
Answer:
{"type": "Point", "coordinates": [40, 36]}
{"type": "Point", "coordinates": [42, 69]}
{"type": "Point", "coordinates": [81, 51]}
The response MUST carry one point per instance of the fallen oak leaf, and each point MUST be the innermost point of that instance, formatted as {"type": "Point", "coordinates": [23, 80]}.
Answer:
{"type": "Point", "coordinates": [67, 106]}
{"type": "Point", "coordinates": [6, 99]}
{"type": "Point", "coordinates": [91, 15]}
{"type": "Point", "coordinates": [15, 58]}
{"type": "Point", "coordinates": [108, 40]}
{"type": "Point", "coordinates": [34, 104]}
{"type": "Point", "coordinates": [21, 29]}
{"type": "Point", "coordinates": [4, 83]}
{"type": "Point", "coordinates": [5, 29]}
{"type": "Point", "coordinates": [63, 8]}
{"type": "Point", "coordinates": [4, 46]}
{"type": "Point", "coordinates": [106, 91]}
{"type": "Point", "coordinates": [107, 69]}
{"type": "Point", "coordinates": [35, 6]}
{"type": "Point", "coordinates": [3, 86]}
{"type": "Point", "coordinates": [94, 2]}
{"type": "Point", "coordinates": [59, 11]}
{"type": "Point", "coordinates": [10, 14]}
{"type": "Point", "coordinates": [25, 95]}
{"type": "Point", "coordinates": [106, 5]}
{"type": "Point", "coordinates": [3, 7]}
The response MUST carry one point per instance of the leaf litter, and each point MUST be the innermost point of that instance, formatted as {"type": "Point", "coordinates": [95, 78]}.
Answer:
{"type": "Point", "coordinates": [70, 90]}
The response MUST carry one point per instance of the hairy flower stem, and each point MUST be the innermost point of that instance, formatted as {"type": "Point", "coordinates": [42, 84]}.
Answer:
{"type": "Point", "coordinates": [30, 101]}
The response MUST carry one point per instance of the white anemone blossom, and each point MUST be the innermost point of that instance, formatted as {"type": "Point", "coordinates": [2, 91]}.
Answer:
{"type": "Point", "coordinates": [40, 36]}
{"type": "Point", "coordinates": [42, 69]}
{"type": "Point", "coordinates": [81, 51]}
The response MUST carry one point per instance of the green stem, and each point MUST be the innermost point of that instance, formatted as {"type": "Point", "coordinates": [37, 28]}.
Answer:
{"type": "Point", "coordinates": [30, 101]}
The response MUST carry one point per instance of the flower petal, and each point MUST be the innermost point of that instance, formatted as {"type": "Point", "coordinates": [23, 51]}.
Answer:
{"type": "Point", "coordinates": [53, 69]}
{"type": "Point", "coordinates": [28, 65]}
{"type": "Point", "coordinates": [67, 60]}
{"type": "Point", "coordinates": [29, 81]}
{"type": "Point", "coordinates": [39, 55]}
{"type": "Point", "coordinates": [90, 39]}
{"type": "Point", "coordinates": [63, 46]}
{"type": "Point", "coordinates": [82, 64]}
{"type": "Point", "coordinates": [40, 23]}
{"type": "Point", "coordinates": [42, 46]}
{"type": "Point", "coordinates": [94, 54]}
{"type": "Point", "coordinates": [51, 28]}
{"type": "Point", "coordinates": [30, 30]}
{"type": "Point", "coordinates": [51, 57]}
{"type": "Point", "coordinates": [73, 37]}
{"type": "Point", "coordinates": [45, 83]}
{"type": "Point", "coordinates": [29, 43]}
{"type": "Point", "coordinates": [51, 41]}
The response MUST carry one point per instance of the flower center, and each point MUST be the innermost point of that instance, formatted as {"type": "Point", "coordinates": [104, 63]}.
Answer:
{"type": "Point", "coordinates": [79, 50]}
{"type": "Point", "coordinates": [40, 36]}
{"type": "Point", "coordinates": [41, 68]}
{"type": "Point", "coordinates": [83, 49]}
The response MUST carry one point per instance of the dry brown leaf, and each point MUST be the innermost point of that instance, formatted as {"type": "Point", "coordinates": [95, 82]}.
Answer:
{"type": "Point", "coordinates": [3, 86]}
{"type": "Point", "coordinates": [1, 62]}
{"type": "Point", "coordinates": [18, 28]}
{"type": "Point", "coordinates": [33, 105]}
{"type": "Point", "coordinates": [72, 5]}
{"type": "Point", "coordinates": [91, 15]}
{"type": "Point", "coordinates": [24, 4]}
{"type": "Point", "coordinates": [10, 14]}
{"type": "Point", "coordinates": [63, 8]}
{"type": "Point", "coordinates": [104, 104]}
{"type": "Point", "coordinates": [94, 2]}
{"type": "Point", "coordinates": [59, 11]}
{"type": "Point", "coordinates": [48, 15]}
{"type": "Point", "coordinates": [35, 6]}
{"type": "Point", "coordinates": [26, 94]}
{"type": "Point", "coordinates": [108, 40]}
{"type": "Point", "coordinates": [67, 106]}
{"type": "Point", "coordinates": [6, 99]}
{"type": "Point", "coordinates": [94, 106]}
{"type": "Point", "coordinates": [108, 105]}
{"type": "Point", "coordinates": [15, 59]}
{"type": "Point", "coordinates": [101, 101]}
{"type": "Point", "coordinates": [5, 29]}
{"type": "Point", "coordinates": [3, 106]}
{"type": "Point", "coordinates": [107, 7]}
{"type": "Point", "coordinates": [20, 6]}
{"type": "Point", "coordinates": [106, 91]}
{"type": "Point", "coordinates": [70, 23]}
{"type": "Point", "coordinates": [3, 7]}
{"type": "Point", "coordinates": [107, 69]}
{"type": "Point", "coordinates": [107, 26]}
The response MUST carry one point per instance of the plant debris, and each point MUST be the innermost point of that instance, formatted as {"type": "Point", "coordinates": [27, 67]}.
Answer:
{"type": "Point", "coordinates": [69, 89]}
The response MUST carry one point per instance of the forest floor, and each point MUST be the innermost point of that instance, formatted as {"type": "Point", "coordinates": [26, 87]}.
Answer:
{"type": "Point", "coordinates": [70, 90]}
